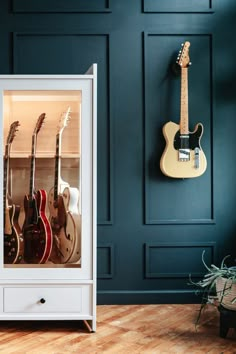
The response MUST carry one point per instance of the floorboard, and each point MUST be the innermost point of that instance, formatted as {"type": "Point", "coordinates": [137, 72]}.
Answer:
{"type": "Point", "coordinates": [151, 329]}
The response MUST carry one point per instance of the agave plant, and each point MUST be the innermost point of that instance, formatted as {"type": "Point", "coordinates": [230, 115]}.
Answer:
{"type": "Point", "coordinates": [208, 285]}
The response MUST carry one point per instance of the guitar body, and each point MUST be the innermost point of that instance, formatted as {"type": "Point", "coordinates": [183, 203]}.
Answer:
{"type": "Point", "coordinates": [170, 163]}
{"type": "Point", "coordinates": [13, 240]}
{"type": "Point", "coordinates": [66, 226]}
{"type": "Point", "coordinates": [73, 225]}
{"type": "Point", "coordinates": [36, 229]}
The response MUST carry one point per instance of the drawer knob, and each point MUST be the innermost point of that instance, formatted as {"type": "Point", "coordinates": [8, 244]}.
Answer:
{"type": "Point", "coordinates": [42, 300]}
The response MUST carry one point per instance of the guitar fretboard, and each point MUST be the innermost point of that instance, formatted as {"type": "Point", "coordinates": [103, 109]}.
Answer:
{"type": "Point", "coordinates": [6, 175]}
{"type": "Point", "coordinates": [184, 125]}
{"type": "Point", "coordinates": [57, 167]}
{"type": "Point", "coordinates": [32, 166]}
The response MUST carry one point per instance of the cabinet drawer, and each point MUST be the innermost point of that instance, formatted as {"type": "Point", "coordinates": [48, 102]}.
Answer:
{"type": "Point", "coordinates": [69, 299]}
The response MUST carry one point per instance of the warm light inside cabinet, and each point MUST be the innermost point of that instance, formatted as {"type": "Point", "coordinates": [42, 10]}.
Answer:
{"type": "Point", "coordinates": [26, 107]}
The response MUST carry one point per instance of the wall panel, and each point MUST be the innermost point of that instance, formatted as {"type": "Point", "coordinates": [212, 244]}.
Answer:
{"type": "Point", "coordinates": [170, 200]}
{"type": "Point", "coordinates": [34, 6]}
{"type": "Point", "coordinates": [105, 269]}
{"type": "Point", "coordinates": [183, 259]}
{"type": "Point", "coordinates": [65, 53]}
{"type": "Point", "coordinates": [151, 229]}
{"type": "Point", "coordinates": [178, 6]}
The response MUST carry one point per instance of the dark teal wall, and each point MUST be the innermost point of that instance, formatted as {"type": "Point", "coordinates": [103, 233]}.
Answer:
{"type": "Point", "coordinates": [151, 229]}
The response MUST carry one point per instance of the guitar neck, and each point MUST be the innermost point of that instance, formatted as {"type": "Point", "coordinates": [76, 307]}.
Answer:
{"type": "Point", "coordinates": [32, 167]}
{"type": "Point", "coordinates": [6, 175]}
{"type": "Point", "coordinates": [184, 120]}
{"type": "Point", "coordinates": [57, 166]}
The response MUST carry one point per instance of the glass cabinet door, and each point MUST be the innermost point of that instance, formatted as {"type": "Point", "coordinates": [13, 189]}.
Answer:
{"type": "Point", "coordinates": [48, 196]}
{"type": "Point", "coordinates": [42, 193]}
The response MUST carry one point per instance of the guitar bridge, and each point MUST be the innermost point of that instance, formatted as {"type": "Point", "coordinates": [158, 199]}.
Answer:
{"type": "Point", "coordinates": [196, 157]}
{"type": "Point", "coordinates": [184, 154]}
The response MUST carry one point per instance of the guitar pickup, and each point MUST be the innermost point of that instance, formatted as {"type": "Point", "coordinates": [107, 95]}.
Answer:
{"type": "Point", "coordinates": [196, 157]}
{"type": "Point", "coordinates": [184, 154]}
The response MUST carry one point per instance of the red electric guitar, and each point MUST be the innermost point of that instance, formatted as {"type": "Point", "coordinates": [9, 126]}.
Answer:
{"type": "Point", "coordinates": [36, 228]}
{"type": "Point", "coordinates": [63, 208]}
{"type": "Point", "coordinates": [13, 240]}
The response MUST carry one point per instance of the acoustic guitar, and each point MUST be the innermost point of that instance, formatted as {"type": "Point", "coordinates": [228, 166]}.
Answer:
{"type": "Point", "coordinates": [183, 156]}
{"type": "Point", "coordinates": [36, 228]}
{"type": "Point", "coordinates": [63, 208]}
{"type": "Point", "coordinates": [13, 239]}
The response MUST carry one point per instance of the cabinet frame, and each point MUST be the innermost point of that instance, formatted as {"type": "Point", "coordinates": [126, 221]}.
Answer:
{"type": "Point", "coordinates": [19, 276]}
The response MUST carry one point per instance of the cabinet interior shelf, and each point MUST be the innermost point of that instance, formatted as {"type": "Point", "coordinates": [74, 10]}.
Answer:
{"type": "Point", "coordinates": [47, 155]}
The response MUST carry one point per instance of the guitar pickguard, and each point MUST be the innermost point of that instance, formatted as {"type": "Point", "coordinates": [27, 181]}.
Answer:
{"type": "Point", "coordinates": [13, 241]}
{"type": "Point", "coordinates": [193, 140]}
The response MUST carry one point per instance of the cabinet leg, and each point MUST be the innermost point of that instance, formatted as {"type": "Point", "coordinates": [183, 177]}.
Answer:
{"type": "Point", "coordinates": [89, 325]}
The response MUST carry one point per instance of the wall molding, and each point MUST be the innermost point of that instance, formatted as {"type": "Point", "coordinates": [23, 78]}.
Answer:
{"type": "Point", "coordinates": [178, 247]}
{"type": "Point", "coordinates": [109, 152]}
{"type": "Point", "coordinates": [148, 220]}
{"type": "Point", "coordinates": [120, 297]}
{"type": "Point", "coordinates": [52, 6]}
{"type": "Point", "coordinates": [181, 6]}
{"type": "Point", "coordinates": [108, 257]}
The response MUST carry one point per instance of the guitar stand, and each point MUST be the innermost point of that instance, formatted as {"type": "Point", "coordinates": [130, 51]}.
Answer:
{"type": "Point", "coordinates": [227, 320]}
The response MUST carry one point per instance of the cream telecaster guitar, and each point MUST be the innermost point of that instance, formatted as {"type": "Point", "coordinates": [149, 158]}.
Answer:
{"type": "Point", "coordinates": [183, 156]}
{"type": "Point", "coordinates": [63, 208]}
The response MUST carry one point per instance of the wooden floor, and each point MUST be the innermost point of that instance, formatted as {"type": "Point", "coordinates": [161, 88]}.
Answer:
{"type": "Point", "coordinates": [123, 329]}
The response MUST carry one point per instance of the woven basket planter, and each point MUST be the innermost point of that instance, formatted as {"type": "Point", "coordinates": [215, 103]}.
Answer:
{"type": "Point", "coordinates": [226, 292]}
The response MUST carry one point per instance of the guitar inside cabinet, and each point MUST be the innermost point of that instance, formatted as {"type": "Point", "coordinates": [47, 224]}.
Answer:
{"type": "Point", "coordinates": [26, 107]}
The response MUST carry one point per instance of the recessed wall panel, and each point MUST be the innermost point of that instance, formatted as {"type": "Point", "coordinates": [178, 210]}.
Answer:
{"type": "Point", "coordinates": [182, 259]}
{"type": "Point", "coordinates": [178, 6]}
{"type": "Point", "coordinates": [105, 266]}
{"type": "Point", "coordinates": [48, 53]}
{"type": "Point", "coordinates": [35, 6]}
{"type": "Point", "coordinates": [176, 200]}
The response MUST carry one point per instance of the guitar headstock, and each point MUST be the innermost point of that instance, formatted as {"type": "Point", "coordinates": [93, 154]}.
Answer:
{"type": "Point", "coordinates": [183, 58]}
{"type": "Point", "coordinates": [39, 123]}
{"type": "Point", "coordinates": [12, 132]}
{"type": "Point", "coordinates": [64, 120]}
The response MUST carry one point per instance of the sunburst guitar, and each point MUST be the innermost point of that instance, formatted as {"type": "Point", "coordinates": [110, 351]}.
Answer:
{"type": "Point", "coordinates": [183, 156]}
{"type": "Point", "coordinates": [13, 238]}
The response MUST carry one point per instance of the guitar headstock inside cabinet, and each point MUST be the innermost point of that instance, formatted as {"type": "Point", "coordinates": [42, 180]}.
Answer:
{"type": "Point", "coordinates": [48, 184]}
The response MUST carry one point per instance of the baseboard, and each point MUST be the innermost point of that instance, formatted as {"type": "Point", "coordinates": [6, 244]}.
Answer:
{"type": "Point", "coordinates": [124, 297]}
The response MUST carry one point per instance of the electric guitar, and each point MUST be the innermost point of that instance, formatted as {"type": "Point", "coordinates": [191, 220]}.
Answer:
{"type": "Point", "coordinates": [63, 208]}
{"type": "Point", "coordinates": [13, 240]}
{"type": "Point", "coordinates": [183, 156]}
{"type": "Point", "coordinates": [36, 228]}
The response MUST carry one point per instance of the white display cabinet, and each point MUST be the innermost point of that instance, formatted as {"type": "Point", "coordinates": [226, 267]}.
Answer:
{"type": "Point", "coordinates": [48, 193]}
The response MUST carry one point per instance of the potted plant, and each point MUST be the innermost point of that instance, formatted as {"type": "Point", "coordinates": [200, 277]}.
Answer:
{"type": "Point", "coordinates": [218, 286]}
